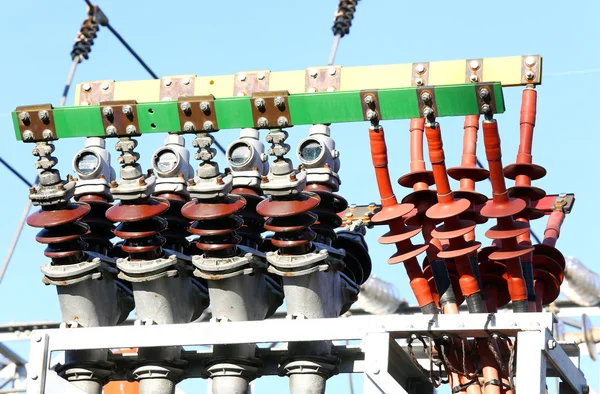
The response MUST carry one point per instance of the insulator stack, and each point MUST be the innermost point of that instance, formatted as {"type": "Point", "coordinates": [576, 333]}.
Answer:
{"type": "Point", "coordinates": [290, 213]}
{"type": "Point", "coordinates": [503, 208]}
{"type": "Point", "coordinates": [468, 173]}
{"type": "Point", "coordinates": [400, 234]}
{"type": "Point", "coordinates": [214, 210]}
{"type": "Point", "coordinates": [454, 229]}
{"type": "Point", "coordinates": [62, 230]}
{"type": "Point", "coordinates": [100, 228]}
{"type": "Point", "coordinates": [343, 17]}
{"type": "Point", "coordinates": [523, 172]}
{"type": "Point", "coordinates": [138, 213]}
{"type": "Point", "coordinates": [419, 178]}
{"type": "Point", "coordinates": [85, 37]}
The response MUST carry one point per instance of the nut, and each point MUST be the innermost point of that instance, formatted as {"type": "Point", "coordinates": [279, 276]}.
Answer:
{"type": "Point", "coordinates": [242, 77]}
{"type": "Point", "coordinates": [208, 126]}
{"type": "Point", "coordinates": [279, 102]}
{"type": "Point", "coordinates": [185, 106]}
{"type": "Point", "coordinates": [484, 93]}
{"type": "Point", "coordinates": [313, 73]}
{"type": "Point", "coordinates": [369, 99]}
{"type": "Point", "coordinates": [260, 76]}
{"type": "Point", "coordinates": [111, 130]}
{"type": "Point", "coordinates": [262, 122]}
{"type": "Point", "coordinates": [529, 75]}
{"type": "Point", "coordinates": [189, 126]}
{"type": "Point", "coordinates": [105, 86]}
{"type": "Point", "coordinates": [371, 115]}
{"type": "Point", "coordinates": [168, 82]}
{"type": "Point", "coordinates": [331, 71]}
{"type": "Point", "coordinates": [282, 121]}
{"type": "Point", "coordinates": [107, 111]}
{"type": "Point", "coordinates": [419, 82]}
{"type": "Point", "coordinates": [420, 68]}
{"type": "Point", "coordinates": [204, 106]}
{"type": "Point", "coordinates": [43, 115]}
{"type": "Point", "coordinates": [186, 81]}
{"type": "Point", "coordinates": [530, 61]}
{"type": "Point", "coordinates": [87, 87]}
{"type": "Point", "coordinates": [27, 135]}
{"type": "Point", "coordinates": [130, 129]}
{"type": "Point", "coordinates": [426, 97]}
{"type": "Point", "coordinates": [24, 117]}
{"type": "Point", "coordinates": [47, 134]}
{"type": "Point", "coordinates": [127, 110]}
{"type": "Point", "coordinates": [473, 78]}
{"type": "Point", "coordinates": [474, 64]}
{"type": "Point", "coordinates": [259, 103]}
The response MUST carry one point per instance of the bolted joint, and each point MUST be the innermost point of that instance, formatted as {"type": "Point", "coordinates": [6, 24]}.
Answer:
{"type": "Point", "coordinates": [205, 106]}
{"type": "Point", "coordinates": [130, 129]}
{"type": "Point", "coordinates": [27, 135]}
{"type": "Point", "coordinates": [186, 107]}
{"type": "Point", "coordinates": [262, 122]}
{"type": "Point", "coordinates": [484, 93]}
{"type": "Point", "coordinates": [282, 121]}
{"type": "Point", "coordinates": [127, 110]}
{"type": "Point", "coordinates": [371, 115]}
{"type": "Point", "coordinates": [24, 117]}
{"type": "Point", "coordinates": [426, 97]}
{"type": "Point", "coordinates": [189, 126]}
{"type": "Point", "coordinates": [259, 103]}
{"type": "Point", "coordinates": [279, 102]}
{"type": "Point", "coordinates": [111, 130]}
{"type": "Point", "coordinates": [44, 115]}
{"type": "Point", "coordinates": [208, 126]}
{"type": "Point", "coordinates": [107, 111]}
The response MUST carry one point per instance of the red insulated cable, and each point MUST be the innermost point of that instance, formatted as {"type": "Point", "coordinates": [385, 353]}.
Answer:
{"type": "Point", "coordinates": [493, 152]}
{"type": "Point", "coordinates": [438, 165]}
{"type": "Point", "coordinates": [553, 226]}
{"type": "Point", "coordinates": [528, 114]}
{"type": "Point", "coordinates": [380, 162]}
{"type": "Point", "coordinates": [469, 155]}
{"type": "Point", "coordinates": [418, 282]}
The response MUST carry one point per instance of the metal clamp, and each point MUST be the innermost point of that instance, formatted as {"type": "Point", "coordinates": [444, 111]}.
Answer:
{"type": "Point", "coordinates": [427, 103]}
{"type": "Point", "coordinates": [91, 93]}
{"type": "Point", "coordinates": [120, 118]}
{"type": "Point", "coordinates": [172, 88]}
{"type": "Point", "coordinates": [369, 101]}
{"type": "Point", "coordinates": [323, 79]}
{"type": "Point", "coordinates": [270, 110]}
{"type": "Point", "coordinates": [197, 114]}
{"type": "Point", "coordinates": [250, 82]}
{"type": "Point", "coordinates": [420, 74]}
{"type": "Point", "coordinates": [485, 98]}
{"type": "Point", "coordinates": [474, 70]}
{"type": "Point", "coordinates": [36, 123]}
{"type": "Point", "coordinates": [531, 67]}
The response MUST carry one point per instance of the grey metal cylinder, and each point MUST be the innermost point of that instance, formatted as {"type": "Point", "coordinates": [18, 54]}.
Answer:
{"type": "Point", "coordinates": [229, 385]}
{"type": "Point", "coordinates": [157, 386]}
{"type": "Point", "coordinates": [307, 384]}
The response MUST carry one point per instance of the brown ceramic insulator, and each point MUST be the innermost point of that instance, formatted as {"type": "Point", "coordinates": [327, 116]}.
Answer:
{"type": "Point", "coordinates": [177, 225]}
{"type": "Point", "coordinates": [547, 288]}
{"type": "Point", "coordinates": [290, 220]}
{"type": "Point", "coordinates": [140, 226]}
{"type": "Point", "coordinates": [494, 284]}
{"type": "Point", "coordinates": [252, 228]}
{"type": "Point", "coordinates": [62, 231]}
{"type": "Point", "coordinates": [327, 212]}
{"type": "Point", "coordinates": [215, 224]}
{"type": "Point", "coordinates": [101, 229]}
{"type": "Point", "coordinates": [392, 213]}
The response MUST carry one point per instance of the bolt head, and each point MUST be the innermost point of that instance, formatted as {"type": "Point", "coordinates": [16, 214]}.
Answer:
{"type": "Point", "coordinates": [562, 195]}
{"type": "Point", "coordinates": [24, 116]}
{"type": "Point", "coordinates": [485, 108]}
{"type": "Point", "coordinates": [127, 110]}
{"type": "Point", "coordinates": [185, 106]}
{"type": "Point", "coordinates": [242, 77]}
{"type": "Point", "coordinates": [168, 82]}
{"type": "Point", "coordinates": [551, 344]}
{"type": "Point", "coordinates": [371, 115]}
{"type": "Point", "coordinates": [474, 65]}
{"type": "Point", "coordinates": [189, 126]}
{"type": "Point", "coordinates": [331, 71]}
{"type": "Point", "coordinates": [43, 115]}
{"type": "Point", "coordinates": [130, 129]}
{"type": "Point", "coordinates": [279, 101]}
{"type": "Point", "coordinates": [420, 68]}
{"type": "Point", "coordinates": [530, 75]}
{"type": "Point", "coordinates": [87, 87]}
{"type": "Point", "coordinates": [427, 112]}
{"type": "Point", "coordinates": [186, 81]}
{"type": "Point", "coordinates": [107, 111]}
{"type": "Point", "coordinates": [313, 73]}
{"type": "Point", "coordinates": [262, 122]}
{"type": "Point", "coordinates": [426, 96]}
{"type": "Point", "coordinates": [205, 106]}
{"type": "Point", "coordinates": [331, 88]}
{"type": "Point", "coordinates": [312, 90]}
{"type": "Point", "coordinates": [419, 81]}
{"type": "Point", "coordinates": [259, 103]}
{"type": "Point", "coordinates": [111, 130]}
{"type": "Point", "coordinates": [47, 134]}
{"type": "Point", "coordinates": [282, 121]}
{"type": "Point", "coordinates": [474, 78]}
{"type": "Point", "coordinates": [530, 61]}
{"type": "Point", "coordinates": [105, 86]}
{"type": "Point", "coordinates": [369, 99]}
{"type": "Point", "coordinates": [260, 76]}
{"type": "Point", "coordinates": [484, 93]}
{"type": "Point", "coordinates": [208, 125]}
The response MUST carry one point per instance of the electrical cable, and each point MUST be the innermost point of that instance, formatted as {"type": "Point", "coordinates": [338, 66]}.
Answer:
{"type": "Point", "coordinates": [15, 172]}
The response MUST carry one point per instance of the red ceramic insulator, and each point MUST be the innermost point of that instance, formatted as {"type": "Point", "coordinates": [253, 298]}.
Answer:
{"type": "Point", "coordinates": [448, 209]}
{"type": "Point", "coordinates": [62, 231]}
{"type": "Point", "coordinates": [140, 226]}
{"type": "Point", "coordinates": [392, 213]}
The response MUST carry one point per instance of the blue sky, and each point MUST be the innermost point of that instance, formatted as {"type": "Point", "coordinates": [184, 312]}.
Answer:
{"type": "Point", "coordinates": [213, 38]}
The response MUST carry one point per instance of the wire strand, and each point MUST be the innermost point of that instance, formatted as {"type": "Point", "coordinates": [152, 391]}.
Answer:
{"type": "Point", "coordinates": [130, 49]}
{"type": "Point", "coordinates": [16, 173]}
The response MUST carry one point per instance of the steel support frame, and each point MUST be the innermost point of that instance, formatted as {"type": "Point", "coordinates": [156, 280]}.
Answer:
{"type": "Point", "coordinates": [386, 366]}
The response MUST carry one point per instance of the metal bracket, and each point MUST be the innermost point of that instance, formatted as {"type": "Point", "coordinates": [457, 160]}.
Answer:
{"type": "Point", "coordinates": [250, 82]}
{"type": "Point", "coordinates": [429, 93]}
{"type": "Point", "coordinates": [172, 88]}
{"type": "Point", "coordinates": [91, 93]}
{"type": "Point", "coordinates": [474, 70]}
{"type": "Point", "coordinates": [485, 99]}
{"type": "Point", "coordinates": [531, 67]}
{"type": "Point", "coordinates": [197, 113]}
{"type": "Point", "coordinates": [359, 212]}
{"type": "Point", "coordinates": [119, 118]}
{"type": "Point", "coordinates": [36, 123]}
{"type": "Point", "coordinates": [323, 79]}
{"type": "Point", "coordinates": [547, 204]}
{"type": "Point", "coordinates": [271, 110]}
{"type": "Point", "coordinates": [369, 101]}
{"type": "Point", "coordinates": [420, 74]}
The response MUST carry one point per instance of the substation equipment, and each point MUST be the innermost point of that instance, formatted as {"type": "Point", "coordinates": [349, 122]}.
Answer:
{"type": "Point", "coordinates": [244, 239]}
